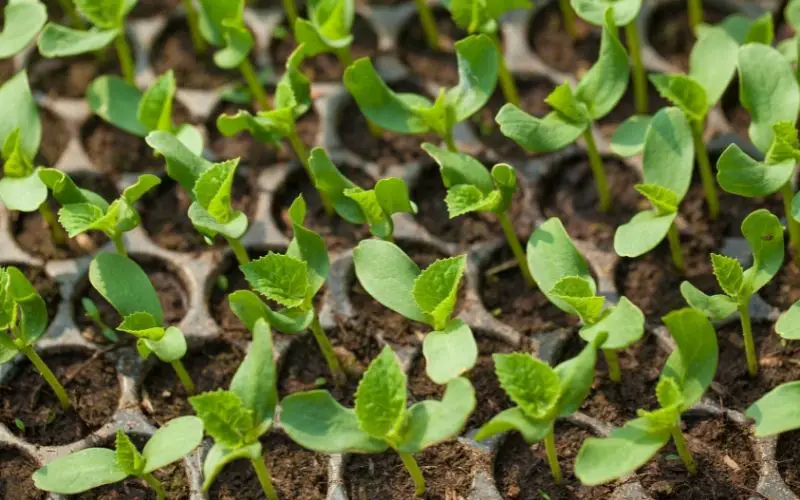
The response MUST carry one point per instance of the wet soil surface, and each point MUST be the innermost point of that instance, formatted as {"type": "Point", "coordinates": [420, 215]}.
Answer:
{"type": "Point", "coordinates": [16, 470]}
{"type": "Point", "coordinates": [671, 35]}
{"type": "Point", "coordinates": [69, 77]}
{"type": "Point", "coordinates": [438, 66]}
{"type": "Point", "coordinates": [44, 285]}
{"type": "Point", "coordinates": [787, 455]}
{"type": "Point", "coordinates": [551, 42]}
{"type": "Point", "coordinates": [783, 291]}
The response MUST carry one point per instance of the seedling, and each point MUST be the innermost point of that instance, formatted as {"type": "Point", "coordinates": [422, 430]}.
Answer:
{"type": "Point", "coordinates": [471, 188]}
{"type": "Point", "coordinates": [563, 275]}
{"type": "Point", "coordinates": [764, 233]}
{"type": "Point", "coordinates": [23, 21]}
{"type": "Point", "coordinates": [328, 29]}
{"type": "Point", "coordinates": [685, 377]}
{"type": "Point", "coordinates": [91, 312]}
{"type": "Point", "coordinates": [236, 419]}
{"type": "Point", "coordinates": [668, 162]}
{"type": "Point", "coordinates": [428, 296]}
{"type": "Point", "coordinates": [788, 325]}
{"type": "Point", "coordinates": [409, 113]}
{"type": "Point", "coordinates": [542, 394]}
{"type": "Point", "coordinates": [776, 412]}
{"type": "Point", "coordinates": [108, 25]}
{"type": "Point", "coordinates": [23, 320]}
{"type": "Point", "coordinates": [574, 111]}
{"type": "Point", "coordinates": [380, 419]}
{"type": "Point", "coordinates": [94, 467]}
{"type": "Point", "coordinates": [361, 206]}
{"type": "Point", "coordinates": [127, 288]}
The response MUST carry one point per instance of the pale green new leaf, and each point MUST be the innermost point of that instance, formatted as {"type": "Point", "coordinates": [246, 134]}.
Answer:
{"type": "Point", "coordinates": [729, 273]}
{"type": "Point", "coordinates": [478, 68]}
{"type": "Point", "coordinates": [171, 442]}
{"type": "Point", "coordinates": [540, 135]}
{"type": "Point", "coordinates": [578, 293]}
{"type": "Point", "coordinates": [449, 353]}
{"type": "Point", "coordinates": [57, 41]}
{"type": "Point", "coordinates": [777, 411]}
{"type": "Point", "coordinates": [142, 325]}
{"type": "Point", "coordinates": [380, 401]}
{"type": "Point", "coordinates": [624, 325]}
{"type": "Point", "coordinates": [213, 190]}
{"type": "Point", "coordinates": [788, 325]}
{"type": "Point", "coordinates": [169, 348]}
{"type": "Point", "coordinates": [278, 277]}
{"type": "Point", "coordinates": [685, 93]}
{"type": "Point", "coordinates": [238, 43]}
{"type": "Point", "coordinates": [716, 307]}
{"type": "Point", "coordinates": [514, 419]}
{"type": "Point", "coordinates": [128, 457]}
{"type": "Point", "coordinates": [594, 11]}
{"type": "Point", "coordinates": [436, 289]}
{"type": "Point", "coordinates": [79, 472]}
{"type": "Point", "coordinates": [30, 309]}
{"type": "Point", "coordinates": [23, 20]}
{"type": "Point", "coordinates": [694, 362]}
{"type": "Point", "coordinates": [466, 198]}
{"type": "Point", "coordinates": [530, 383]}
{"type": "Point", "coordinates": [664, 200]}
{"type": "Point", "coordinates": [642, 233]}
{"type": "Point", "coordinates": [764, 234]}
{"type": "Point", "coordinates": [224, 417]}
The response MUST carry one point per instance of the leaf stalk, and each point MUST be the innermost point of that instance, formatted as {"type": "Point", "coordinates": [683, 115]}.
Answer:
{"type": "Point", "coordinates": [695, 8]}
{"type": "Point", "coordinates": [48, 375]}
{"type": "Point", "coordinates": [184, 377]}
{"type": "Point", "coordinates": [414, 471]}
{"type": "Point", "coordinates": [290, 9]}
{"type": "Point", "coordinates": [264, 478]}
{"type": "Point", "coordinates": [238, 250]}
{"type": "Point", "coordinates": [200, 45]}
{"type": "Point", "coordinates": [428, 22]}
{"type": "Point", "coordinates": [552, 456]}
{"type": "Point", "coordinates": [253, 83]}
{"type": "Point", "coordinates": [675, 248]}
{"type": "Point", "coordinates": [339, 377]}
{"type": "Point", "coordinates": [156, 485]}
{"type": "Point", "coordinates": [598, 170]}
{"type": "Point", "coordinates": [516, 248]}
{"type": "Point", "coordinates": [638, 75]}
{"type": "Point", "coordinates": [793, 226]}
{"type": "Point", "coordinates": [449, 141]}
{"type": "Point", "coordinates": [749, 343]}
{"type": "Point", "coordinates": [683, 449]}
{"type": "Point", "coordinates": [704, 164]}
{"type": "Point", "coordinates": [612, 360]}
{"type": "Point", "coordinates": [119, 244]}
{"type": "Point", "coordinates": [507, 83]}
{"type": "Point", "coordinates": [56, 231]}
{"type": "Point", "coordinates": [69, 10]}
{"type": "Point", "coordinates": [126, 62]}
{"type": "Point", "coordinates": [302, 154]}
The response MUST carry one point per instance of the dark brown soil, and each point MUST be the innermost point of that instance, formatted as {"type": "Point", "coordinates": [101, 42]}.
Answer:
{"type": "Point", "coordinates": [211, 367]}
{"type": "Point", "coordinates": [439, 66]}
{"type": "Point", "coordinates": [389, 148]}
{"type": "Point", "coordinates": [671, 35]}
{"type": "Point", "coordinates": [90, 381]}
{"type": "Point", "coordinates": [16, 470]}
{"type": "Point", "coordinates": [556, 48]}
{"type": "Point", "coordinates": [783, 291]}
{"type": "Point", "coordinates": [167, 221]}
{"type": "Point", "coordinates": [55, 138]}
{"type": "Point", "coordinates": [296, 473]}
{"type": "Point", "coordinates": [727, 467]}
{"type": "Point", "coordinates": [115, 151]}
{"type": "Point", "coordinates": [44, 284]}
{"type": "Point", "coordinates": [326, 67]}
{"type": "Point", "coordinates": [449, 470]}
{"type": "Point", "coordinates": [168, 285]}
{"type": "Point", "coordinates": [508, 297]}
{"type": "Point", "coordinates": [7, 70]}
{"type": "Point", "coordinates": [69, 77]}
{"type": "Point", "coordinates": [522, 473]}
{"type": "Point", "coordinates": [152, 8]}
{"type": "Point", "coordinates": [737, 116]}
{"type": "Point", "coordinates": [337, 232]}
{"type": "Point", "coordinates": [627, 108]}
{"type": "Point", "coordinates": [570, 193]}
{"type": "Point", "coordinates": [34, 236]}
{"type": "Point", "coordinates": [787, 455]}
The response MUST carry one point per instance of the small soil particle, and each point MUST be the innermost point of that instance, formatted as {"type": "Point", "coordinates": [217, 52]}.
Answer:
{"type": "Point", "coordinates": [556, 48]}
{"type": "Point", "coordinates": [92, 386]}
{"type": "Point", "coordinates": [670, 33]}
{"type": "Point", "coordinates": [788, 456]}
{"type": "Point", "coordinates": [449, 470]}
{"type": "Point", "coordinates": [296, 473]}
{"type": "Point", "coordinates": [69, 77]}
{"type": "Point", "coordinates": [783, 290]}
{"type": "Point", "coordinates": [16, 470]}
{"type": "Point", "coordinates": [438, 66]}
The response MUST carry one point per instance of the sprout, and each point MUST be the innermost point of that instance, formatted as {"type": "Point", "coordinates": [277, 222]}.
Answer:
{"type": "Point", "coordinates": [23, 21]}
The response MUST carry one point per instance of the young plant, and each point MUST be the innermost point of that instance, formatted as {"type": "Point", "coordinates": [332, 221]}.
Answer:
{"type": "Point", "coordinates": [23, 320]}
{"type": "Point", "coordinates": [128, 289]}
{"type": "Point", "coordinates": [23, 21]}
{"type": "Point", "coordinates": [361, 206]}
{"type": "Point", "coordinates": [380, 419]}
{"type": "Point", "coordinates": [563, 276]}
{"type": "Point", "coordinates": [236, 419]}
{"type": "Point", "coordinates": [94, 467]}
{"type": "Point", "coordinates": [668, 163]}
{"type": "Point", "coordinates": [428, 22]}
{"type": "Point", "coordinates": [764, 233]}
{"type": "Point", "coordinates": [776, 412]}
{"type": "Point", "coordinates": [574, 111]}
{"type": "Point", "coordinates": [328, 29]}
{"type": "Point", "coordinates": [407, 113]}
{"type": "Point", "coordinates": [685, 377]}
{"type": "Point", "coordinates": [428, 296]}
{"type": "Point", "coordinates": [108, 21]}
{"type": "Point", "coordinates": [471, 188]}
{"type": "Point", "coordinates": [542, 394]}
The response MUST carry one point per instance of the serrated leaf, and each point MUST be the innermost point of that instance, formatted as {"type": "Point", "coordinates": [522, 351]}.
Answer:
{"type": "Point", "coordinates": [278, 277]}
{"type": "Point", "coordinates": [79, 472]}
{"type": "Point", "coordinates": [60, 41]}
{"type": "Point", "coordinates": [729, 274]}
{"type": "Point", "coordinates": [142, 324]}
{"type": "Point", "coordinates": [172, 441]}
{"type": "Point", "coordinates": [380, 401]}
{"type": "Point", "coordinates": [664, 200]}
{"type": "Point", "coordinates": [104, 13]}
{"type": "Point", "coordinates": [668, 393]}
{"type": "Point", "coordinates": [716, 307]}
{"type": "Point", "coordinates": [213, 190]}
{"type": "Point", "coordinates": [776, 412]}
{"type": "Point", "coordinates": [578, 293]}
{"type": "Point", "coordinates": [693, 364]}
{"type": "Point", "coordinates": [466, 198]}
{"type": "Point", "coordinates": [530, 383]}
{"type": "Point", "coordinates": [540, 135]}
{"type": "Point", "coordinates": [436, 289]}
{"type": "Point", "coordinates": [563, 100]}
{"type": "Point", "coordinates": [22, 22]}
{"type": "Point", "coordinates": [128, 457]}
{"type": "Point", "coordinates": [449, 353]}
{"type": "Point", "coordinates": [224, 417]}
{"type": "Point", "coordinates": [683, 92]}
{"type": "Point", "coordinates": [81, 217]}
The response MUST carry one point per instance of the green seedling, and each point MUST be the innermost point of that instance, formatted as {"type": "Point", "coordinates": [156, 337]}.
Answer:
{"type": "Point", "coordinates": [23, 320]}
{"type": "Point", "coordinates": [236, 418]}
{"type": "Point", "coordinates": [94, 467]}
{"type": "Point", "coordinates": [686, 375]}
{"type": "Point", "coordinates": [541, 394]}
{"type": "Point", "coordinates": [563, 276]}
{"type": "Point", "coordinates": [776, 412]}
{"type": "Point", "coordinates": [428, 296]}
{"type": "Point", "coordinates": [139, 113]}
{"type": "Point", "coordinates": [574, 111]}
{"type": "Point", "coordinates": [472, 188]}
{"type": "Point", "coordinates": [764, 233]}
{"type": "Point", "coordinates": [127, 288]}
{"type": "Point", "coordinates": [108, 25]}
{"type": "Point", "coordinates": [409, 113]}
{"type": "Point", "coordinates": [380, 419]}
{"type": "Point", "coordinates": [210, 186]}
{"type": "Point", "coordinates": [668, 163]}
{"type": "Point", "coordinates": [91, 312]}
{"type": "Point", "coordinates": [374, 207]}
{"type": "Point", "coordinates": [788, 325]}
{"type": "Point", "coordinates": [23, 21]}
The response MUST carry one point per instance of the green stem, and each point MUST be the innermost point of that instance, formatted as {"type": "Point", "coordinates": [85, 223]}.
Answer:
{"type": "Point", "coordinates": [48, 375]}
{"type": "Point", "coordinates": [325, 346]}
{"type": "Point", "coordinates": [706, 174]}
{"type": "Point", "coordinates": [200, 45]}
{"type": "Point", "coordinates": [516, 248]}
{"type": "Point", "coordinates": [675, 247]}
{"type": "Point", "coordinates": [749, 343]}
{"type": "Point", "coordinates": [449, 141]}
{"type": "Point", "coordinates": [638, 75]}
{"type": "Point", "coordinates": [253, 83]}
{"type": "Point", "coordinates": [428, 23]}
{"type": "Point", "coordinates": [598, 170]}
{"type": "Point", "coordinates": [612, 360]}
{"type": "Point", "coordinates": [119, 244]}
{"type": "Point", "coordinates": [695, 8]}
{"type": "Point", "coordinates": [156, 485]}
{"type": "Point", "coordinates": [59, 236]}
{"type": "Point", "coordinates": [346, 59]}
{"type": "Point", "coordinates": [552, 456]}
{"type": "Point", "coordinates": [414, 471]}
{"type": "Point", "coordinates": [238, 250]}
{"type": "Point", "coordinates": [125, 58]}
{"type": "Point", "coordinates": [507, 83]}
{"type": "Point", "coordinates": [184, 377]}
{"type": "Point", "coordinates": [290, 9]}
{"type": "Point", "coordinates": [570, 26]}
{"type": "Point", "coordinates": [69, 11]}
{"type": "Point", "coordinates": [264, 478]}
{"type": "Point", "coordinates": [794, 227]}
{"type": "Point", "coordinates": [797, 67]}
{"type": "Point", "coordinates": [302, 155]}
{"type": "Point", "coordinates": [683, 450]}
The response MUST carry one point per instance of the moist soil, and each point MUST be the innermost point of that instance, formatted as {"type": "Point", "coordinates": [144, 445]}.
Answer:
{"type": "Point", "coordinates": [508, 297]}
{"type": "Point", "coordinates": [296, 473]}
{"type": "Point", "coordinates": [777, 364]}
{"type": "Point", "coordinates": [7, 70]}
{"type": "Point", "coordinates": [152, 8]}
{"type": "Point", "coordinates": [783, 291]}
{"type": "Point", "coordinates": [44, 284]}
{"type": "Point", "coordinates": [521, 471]}
{"type": "Point", "coordinates": [449, 470]}
{"type": "Point", "coordinates": [787, 455]}
{"type": "Point", "coordinates": [16, 470]}
{"type": "Point", "coordinates": [437, 66]}
{"type": "Point", "coordinates": [570, 193]}
{"type": "Point", "coordinates": [92, 386]}
{"type": "Point", "coordinates": [556, 48]}
{"type": "Point", "coordinates": [737, 116]}
{"type": "Point", "coordinates": [69, 77]}
{"type": "Point", "coordinates": [168, 286]}
{"type": "Point", "coordinates": [35, 237]}
{"type": "Point", "coordinates": [55, 137]}
{"type": "Point", "coordinates": [727, 467]}
{"type": "Point", "coordinates": [626, 108]}
{"type": "Point", "coordinates": [670, 33]}
{"type": "Point", "coordinates": [211, 367]}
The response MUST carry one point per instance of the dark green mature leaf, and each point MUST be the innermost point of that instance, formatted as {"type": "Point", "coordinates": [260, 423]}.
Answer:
{"type": "Point", "coordinates": [668, 159]}
{"type": "Point", "coordinates": [740, 174]}
{"type": "Point", "coordinates": [125, 285]}
{"type": "Point", "coordinates": [79, 472]}
{"type": "Point", "coordinates": [278, 277]}
{"type": "Point", "coordinates": [776, 412]}
{"type": "Point", "coordinates": [171, 442]}
{"type": "Point", "coordinates": [514, 419]}
{"type": "Point", "coordinates": [694, 362]}
{"type": "Point", "coordinates": [19, 111]}
{"type": "Point", "coordinates": [713, 62]}
{"type": "Point", "coordinates": [624, 326]}
{"type": "Point", "coordinates": [478, 67]}
{"type": "Point", "coordinates": [380, 402]}
{"type": "Point", "coordinates": [788, 325]}
{"type": "Point", "coordinates": [60, 41]}
{"type": "Point", "coordinates": [256, 378]}
{"type": "Point", "coordinates": [224, 416]}
{"type": "Point", "coordinates": [449, 353]}
{"type": "Point", "coordinates": [729, 273]}
{"type": "Point", "coordinates": [764, 234]}
{"type": "Point", "coordinates": [642, 233]}
{"type": "Point", "coordinates": [530, 383]}
{"type": "Point", "coordinates": [685, 93]}
{"type": "Point", "coordinates": [716, 307]}
{"type": "Point", "coordinates": [22, 23]}
{"type": "Point", "coordinates": [541, 135]}
{"type": "Point", "coordinates": [128, 457]}
{"type": "Point", "coordinates": [594, 11]}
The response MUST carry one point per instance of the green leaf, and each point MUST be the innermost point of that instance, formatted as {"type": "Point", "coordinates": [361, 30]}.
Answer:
{"type": "Point", "coordinates": [713, 62]}
{"type": "Point", "coordinates": [540, 135]}
{"type": "Point", "coordinates": [219, 456]}
{"type": "Point", "coordinates": [143, 325]}
{"type": "Point", "coordinates": [79, 472]}
{"type": "Point", "coordinates": [172, 441]}
{"type": "Point", "coordinates": [478, 67]}
{"type": "Point", "coordinates": [668, 159]}
{"type": "Point", "coordinates": [466, 198]}
{"type": "Point", "coordinates": [269, 126]}
{"type": "Point", "coordinates": [144, 183]}
{"type": "Point", "coordinates": [213, 191]}
{"type": "Point", "coordinates": [331, 182]}
{"type": "Point", "coordinates": [664, 200]}
{"type": "Point", "coordinates": [685, 93]}
{"type": "Point", "coordinates": [278, 277]}
{"type": "Point", "coordinates": [8, 308]}
{"type": "Point", "coordinates": [379, 223]}
{"type": "Point", "coordinates": [224, 417]}
{"type": "Point", "coordinates": [482, 15]}
{"type": "Point", "coordinates": [436, 289]}
{"type": "Point", "coordinates": [514, 419]}
{"type": "Point", "coordinates": [256, 378]}
{"type": "Point", "coordinates": [235, 228]}
{"type": "Point", "coordinates": [576, 376]}
{"type": "Point", "coordinates": [792, 14]}
{"type": "Point", "coordinates": [294, 88]}
{"type": "Point", "coordinates": [380, 401]}
{"type": "Point", "coordinates": [594, 11]}
{"type": "Point", "coordinates": [788, 325]}
{"type": "Point", "coordinates": [716, 307]}
{"type": "Point", "coordinates": [169, 348]}
{"type": "Point", "coordinates": [30, 307]}
{"type": "Point", "coordinates": [183, 166]}
{"type": "Point", "coordinates": [19, 111]}
{"type": "Point", "coordinates": [642, 233]}
{"type": "Point", "coordinates": [316, 421]}
{"type": "Point", "coordinates": [739, 174]}
{"type": "Point", "coordinates": [785, 145]}
{"type": "Point", "coordinates": [761, 30]}
{"type": "Point", "coordinates": [24, 194]}
{"type": "Point", "coordinates": [81, 217]}
{"type": "Point", "coordinates": [128, 457]}
{"type": "Point", "coordinates": [125, 285]}
{"type": "Point", "coordinates": [729, 273]}
{"type": "Point", "coordinates": [57, 41]}
{"type": "Point", "coordinates": [460, 168]}
{"type": "Point", "coordinates": [694, 362]}
{"type": "Point", "coordinates": [212, 13]}
{"type": "Point", "coordinates": [238, 43]}
{"type": "Point", "coordinates": [65, 191]}
{"type": "Point", "coordinates": [104, 13]}
{"type": "Point", "coordinates": [776, 412]}
{"type": "Point", "coordinates": [394, 197]}
{"type": "Point", "coordinates": [155, 107]}
{"type": "Point", "coordinates": [629, 136]}
{"type": "Point", "coordinates": [17, 163]}
{"type": "Point", "coordinates": [578, 293]}
{"type": "Point", "coordinates": [191, 137]}
{"type": "Point", "coordinates": [449, 353]}
{"type": "Point", "coordinates": [530, 383]}
{"type": "Point", "coordinates": [117, 102]}
{"type": "Point", "coordinates": [624, 325]}
{"type": "Point", "coordinates": [796, 207]}
{"type": "Point", "coordinates": [764, 234]}
{"type": "Point", "coordinates": [310, 248]}
{"type": "Point", "coordinates": [23, 20]}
